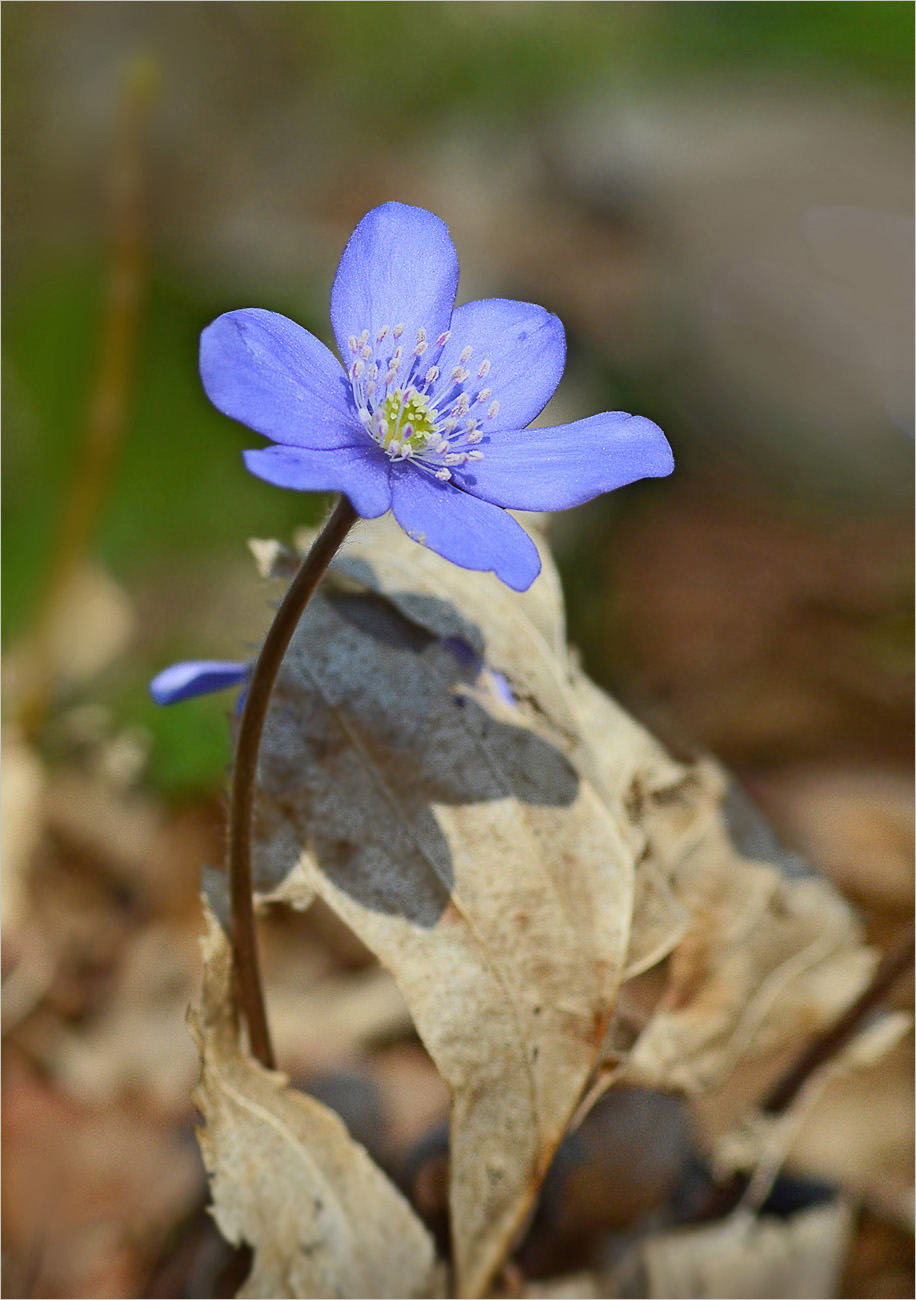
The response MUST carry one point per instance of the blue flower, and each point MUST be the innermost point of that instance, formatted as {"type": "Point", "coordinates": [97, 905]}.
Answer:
{"type": "Point", "coordinates": [428, 418]}
{"type": "Point", "coordinates": [196, 677]}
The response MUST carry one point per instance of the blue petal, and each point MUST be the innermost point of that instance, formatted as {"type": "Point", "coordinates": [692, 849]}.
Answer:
{"type": "Point", "coordinates": [196, 677]}
{"type": "Point", "coordinates": [398, 268]}
{"type": "Point", "coordinates": [562, 466]}
{"type": "Point", "coordinates": [361, 473]}
{"type": "Point", "coordinates": [461, 528]}
{"type": "Point", "coordinates": [526, 348]}
{"type": "Point", "coordinates": [271, 374]}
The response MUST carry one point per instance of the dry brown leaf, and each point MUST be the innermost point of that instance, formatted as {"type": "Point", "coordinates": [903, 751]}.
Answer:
{"type": "Point", "coordinates": [858, 1131]}
{"type": "Point", "coordinates": [525, 636]}
{"type": "Point", "coordinates": [856, 823]}
{"type": "Point", "coordinates": [767, 960]}
{"type": "Point", "coordinates": [334, 1020]}
{"type": "Point", "coordinates": [574, 1286]}
{"type": "Point", "coordinates": [761, 957]}
{"type": "Point", "coordinates": [457, 832]}
{"type": "Point", "coordinates": [428, 729]}
{"type": "Point", "coordinates": [87, 1191]}
{"type": "Point", "coordinates": [138, 1043]}
{"type": "Point", "coordinates": [287, 1178]}
{"type": "Point", "coordinates": [800, 1258]}
{"type": "Point", "coordinates": [91, 623]}
{"type": "Point", "coordinates": [21, 823]}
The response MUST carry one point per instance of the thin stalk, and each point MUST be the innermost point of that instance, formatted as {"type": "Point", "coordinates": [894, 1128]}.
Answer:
{"type": "Point", "coordinates": [249, 992]}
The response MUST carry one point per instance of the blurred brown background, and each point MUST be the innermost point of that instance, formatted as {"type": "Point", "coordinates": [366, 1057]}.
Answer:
{"type": "Point", "coordinates": [714, 198]}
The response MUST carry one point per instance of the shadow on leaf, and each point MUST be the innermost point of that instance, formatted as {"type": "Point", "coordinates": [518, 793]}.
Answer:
{"type": "Point", "coordinates": [376, 721]}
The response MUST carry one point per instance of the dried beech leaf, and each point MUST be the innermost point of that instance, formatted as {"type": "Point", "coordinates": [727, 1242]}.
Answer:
{"type": "Point", "coordinates": [835, 1145]}
{"type": "Point", "coordinates": [287, 1178]}
{"type": "Point", "coordinates": [763, 953]}
{"type": "Point", "coordinates": [273, 559]}
{"type": "Point", "coordinates": [788, 1259]}
{"type": "Point", "coordinates": [767, 960]}
{"type": "Point", "coordinates": [90, 625]}
{"type": "Point", "coordinates": [137, 1043]}
{"type": "Point", "coordinates": [525, 638]}
{"type": "Point", "coordinates": [625, 757]}
{"type": "Point", "coordinates": [422, 773]}
{"type": "Point", "coordinates": [487, 820]}
{"type": "Point", "coordinates": [872, 1160]}
{"type": "Point", "coordinates": [574, 1286]}
{"type": "Point", "coordinates": [21, 824]}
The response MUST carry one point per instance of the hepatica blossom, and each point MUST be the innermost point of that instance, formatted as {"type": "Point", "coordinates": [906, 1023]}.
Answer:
{"type": "Point", "coordinates": [428, 415]}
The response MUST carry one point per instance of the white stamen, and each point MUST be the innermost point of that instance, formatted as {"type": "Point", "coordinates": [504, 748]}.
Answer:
{"type": "Point", "coordinates": [454, 458]}
{"type": "Point", "coordinates": [493, 411]}
{"type": "Point", "coordinates": [431, 375]}
{"type": "Point", "coordinates": [483, 370]}
{"type": "Point", "coordinates": [398, 331]}
{"type": "Point", "coordinates": [476, 436]}
{"type": "Point", "coordinates": [444, 474]}
{"type": "Point", "coordinates": [372, 372]}
{"type": "Point", "coordinates": [370, 388]}
{"type": "Point", "coordinates": [419, 349]}
{"type": "Point", "coordinates": [466, 355]}
{"type": "Point", "coordinates": [357, 369]}
{"type": "Point", "coordinates": [366, 352]}
{"type": "Point", "coordinates": [470, 425]}
{"type": "Point", "coordinates": [365, 415]}
{"type": "Point", "coordinates": [406, 450]}
{"type": "Point", "coordinates": [483, 394]}
{"type": "Point", "coordinates": [443, 339]}
{"type": "Point", "coordinates": [354, 346]}
{"type": "Point", "coordinates": [449, 424]}
{"type": "Point", "coordinates": [363, 338]}
{"type": "Point", "coordinates": [464, 405]}
{"type": "Point", "coordinates": [421, 335]}
{"type": "Point", "coordinates": [383, 427]}
{"type": "Point", "coordinates": [459, 374]}
{"type": "Point", "coordinates": [475, 455]}
{"type": "Point", "coordinates": [382, 334]}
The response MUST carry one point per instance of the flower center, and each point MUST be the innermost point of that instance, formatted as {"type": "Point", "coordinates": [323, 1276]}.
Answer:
{"type": "Point", "coordinates": [411, 408]}
{"type": "Point", "coordinates": [409, 417]}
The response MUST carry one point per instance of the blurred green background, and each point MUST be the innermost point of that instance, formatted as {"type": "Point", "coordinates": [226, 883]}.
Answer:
{"type": "Point", "coordinates": [716, 200]}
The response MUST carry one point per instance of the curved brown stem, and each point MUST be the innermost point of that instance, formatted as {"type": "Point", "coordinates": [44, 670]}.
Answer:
{"type": "Point", "coordinates": [249, 992]}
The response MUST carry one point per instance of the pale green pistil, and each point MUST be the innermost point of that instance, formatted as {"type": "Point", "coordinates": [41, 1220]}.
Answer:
{"type": "Point", "coordinates": [409, 419]}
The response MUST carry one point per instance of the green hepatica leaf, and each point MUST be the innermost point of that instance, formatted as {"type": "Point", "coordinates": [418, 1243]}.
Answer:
{"type": "Point", "coordinates": [287, 1178]}
{"type": "Point", "coordinates": [422, 773]}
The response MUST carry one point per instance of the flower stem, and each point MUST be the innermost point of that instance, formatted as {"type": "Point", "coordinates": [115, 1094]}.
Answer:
{"type": "Point", "coordinates": [249, 992]}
